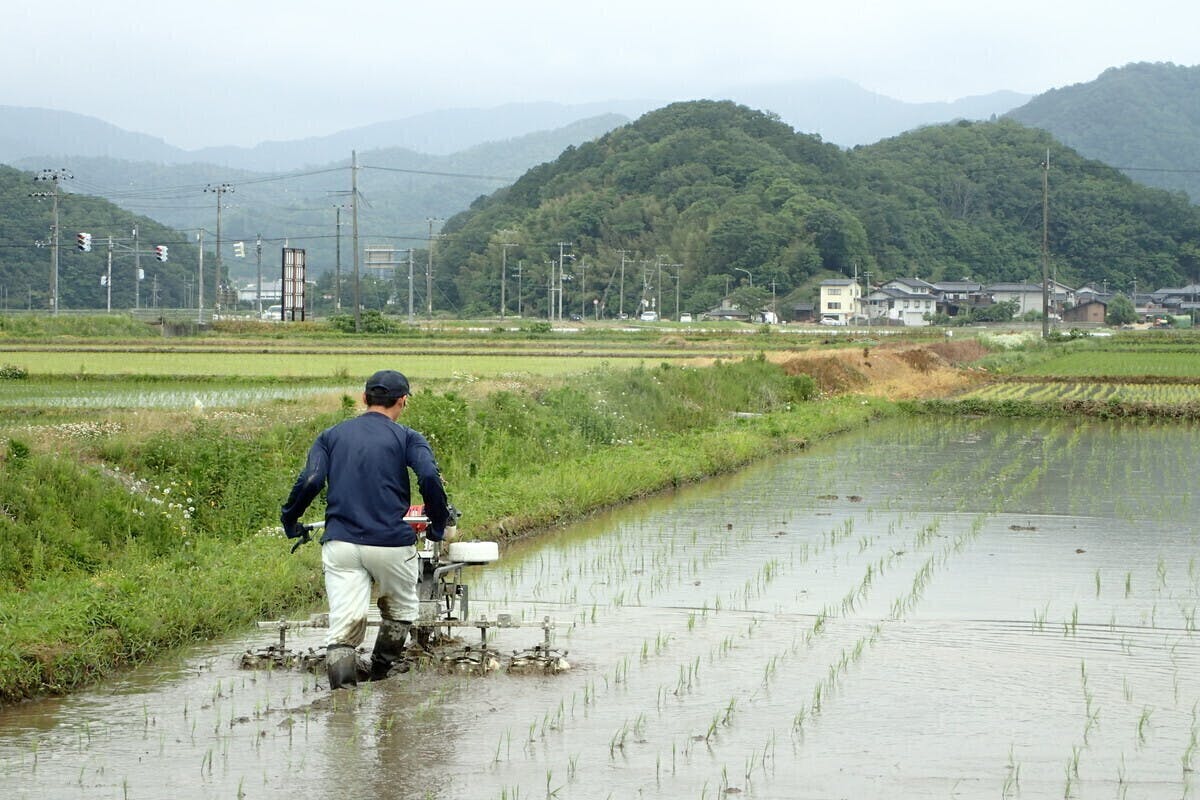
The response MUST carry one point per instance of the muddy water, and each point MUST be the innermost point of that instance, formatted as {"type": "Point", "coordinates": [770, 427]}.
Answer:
{"type": "Point", "coordinates": [950, 609]}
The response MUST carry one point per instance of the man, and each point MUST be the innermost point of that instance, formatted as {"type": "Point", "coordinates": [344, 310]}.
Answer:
{"type": "Point", "coordinates": [365, 462]}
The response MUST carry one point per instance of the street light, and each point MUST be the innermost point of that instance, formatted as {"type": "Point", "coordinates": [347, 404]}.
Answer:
{"type": "Point", "coordinates": [751, 277]}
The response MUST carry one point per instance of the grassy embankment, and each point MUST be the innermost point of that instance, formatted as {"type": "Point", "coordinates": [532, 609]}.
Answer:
{"type": "Point", "coordinates": [117, 542]}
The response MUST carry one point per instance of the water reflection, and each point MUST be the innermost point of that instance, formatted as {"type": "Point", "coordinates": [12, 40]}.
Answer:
{"type": "Point", "coordinates": [912, 610]}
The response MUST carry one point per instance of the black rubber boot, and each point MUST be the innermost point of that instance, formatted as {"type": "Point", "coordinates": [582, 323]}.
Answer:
{"type": "Point", "coordinates": [341, 665]}
{"type": "Point", "coordinates": [388, 654]}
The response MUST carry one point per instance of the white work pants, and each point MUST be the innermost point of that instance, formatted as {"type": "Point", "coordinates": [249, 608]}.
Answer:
{"type": "Point", "coordinates": [349, 569]}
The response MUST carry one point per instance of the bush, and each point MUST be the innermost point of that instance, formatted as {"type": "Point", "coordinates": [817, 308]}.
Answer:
{"type": "Point", "coordinates": [371, 321]}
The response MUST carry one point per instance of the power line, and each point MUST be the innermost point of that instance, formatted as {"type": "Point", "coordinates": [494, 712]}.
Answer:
{"type": "Point", "coordinates": [504, 178]}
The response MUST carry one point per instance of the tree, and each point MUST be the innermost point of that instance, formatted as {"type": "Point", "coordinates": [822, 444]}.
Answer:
{"type": "Point", "coordinates": [1120, 311]}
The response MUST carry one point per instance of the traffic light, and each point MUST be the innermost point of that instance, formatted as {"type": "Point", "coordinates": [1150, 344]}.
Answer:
{"type": "Point", "coordinates": [84, 242]}
{"type": "Point", "coordinates": [239, 249]}
{"type": "Point", "coordinates": [160, 252]}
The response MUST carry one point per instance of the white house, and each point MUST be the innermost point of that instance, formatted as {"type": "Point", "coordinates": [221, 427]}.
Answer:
{"type": "Point", "coordinates": [272, 292]}
{"type": "Point", "coordinates": [899, 305]}
{"type": "Point", "coordinates": [1029, 295]}
{"type": "Point", "coordinates": [840, 299]}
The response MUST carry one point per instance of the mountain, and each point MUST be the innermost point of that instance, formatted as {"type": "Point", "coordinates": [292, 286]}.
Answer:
{"type": "Point", "coordinates": [49, 135]}
{"type": "Point", "coordinates": [434, 132]}
{"type": "Point", "coordinates": [1143, 118]}
{"type": "Point", "coordinates": [715, 195]}
{"type": "Point", "coordinates": [840, 111]}
{"type": "Point", "coordinates": [844, 113]}
{"type": "Point", "coordinates": [401, 190]}
{"type": "Point", "coordinates": [25, 267]}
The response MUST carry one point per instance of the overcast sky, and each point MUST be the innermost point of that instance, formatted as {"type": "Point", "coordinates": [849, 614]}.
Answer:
{"type": "Point", "coordinates": [242, 71]}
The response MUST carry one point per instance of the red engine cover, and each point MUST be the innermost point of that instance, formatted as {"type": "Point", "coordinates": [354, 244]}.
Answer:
{"type": "Point", "coordinates": [416, 518]}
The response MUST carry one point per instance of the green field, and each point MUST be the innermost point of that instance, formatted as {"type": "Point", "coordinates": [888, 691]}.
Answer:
{"type": "Point", "coordinates": [1057, 391]}
{"type": "Point", "coordinates": [282, 365]}
{"type": "Point", "coordinates": [1183, 362]}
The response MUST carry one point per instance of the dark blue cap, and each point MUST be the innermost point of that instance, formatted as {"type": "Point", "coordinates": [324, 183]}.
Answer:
{"type": "Point", "coordinates": [389, 382]}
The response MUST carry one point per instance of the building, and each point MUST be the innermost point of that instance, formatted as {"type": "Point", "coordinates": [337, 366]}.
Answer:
{"type": "Point", "coordinates": [959, 293]}
{"type": "Point", "coordinates": [900, 303]}
{"type": "Point", "coordinates": [803, 312]}
{"type": "Point", "coordinates": [840, 299]}
{"type": "Point", "coordinates": [272, 292]}
{"type": "Point", "coordinates": [1089, 311]}
{"type": "Point", "coordinates": [1028, 296]}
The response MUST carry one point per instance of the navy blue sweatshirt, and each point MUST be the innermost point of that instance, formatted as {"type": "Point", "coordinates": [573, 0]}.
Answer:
{"type": "Point", "coordinates": [365, 461]}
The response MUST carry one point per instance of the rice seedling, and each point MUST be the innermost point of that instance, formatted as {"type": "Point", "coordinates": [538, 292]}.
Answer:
{"type": "Point", "coordinates": [1012, 778]}
{"type": "Point", "coordinates": [1143, 724]}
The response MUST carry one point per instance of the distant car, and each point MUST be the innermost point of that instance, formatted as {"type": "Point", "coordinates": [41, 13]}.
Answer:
{"type": "Point", "coordinates": [576, 318]}
{"type": "Point", "coordinates": [273, 313]}
{"type": "Point", "coordinates": [685, 317]}
{"type": "Point", "coordinates": [830, 320]}
{"type": "Point", "coordinates": [649, 316]}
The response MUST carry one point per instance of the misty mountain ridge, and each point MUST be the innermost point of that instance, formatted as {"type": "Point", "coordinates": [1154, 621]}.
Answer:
{"type": "Point", "coordinates": [1144, 116]}
{"type": "Point", "coordinates": [840, 111]}
{"type": "Point", "coordinates": [401, 189]}
{"type": "Point", "coordinates": [846, 114]}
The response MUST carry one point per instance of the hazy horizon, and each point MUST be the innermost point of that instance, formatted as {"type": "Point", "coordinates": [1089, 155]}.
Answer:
{"type": "Point", "coordinates": [239, 74]}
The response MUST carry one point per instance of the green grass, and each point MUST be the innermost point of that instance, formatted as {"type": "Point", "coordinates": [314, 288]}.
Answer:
{"type": "Point", "coordinates": [1106, 363]}
{"type": "Point", "coordinates": [122, 543]}
{"type": "Point", "coordinates": [300, 365]}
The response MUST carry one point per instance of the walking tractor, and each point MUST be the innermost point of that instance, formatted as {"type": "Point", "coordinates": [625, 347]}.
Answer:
{"type": "Point", "coordinates": [445, 610]}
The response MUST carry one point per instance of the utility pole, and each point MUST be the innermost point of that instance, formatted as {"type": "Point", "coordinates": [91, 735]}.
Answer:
{"type": "Point", "coordinates": [658, 291]}
{"type": "Point", "coordinates": [55, 177]}
{"type": "Point", "coordinates": [429, 271]}
{"type": "Point", "coordinates": [258, 257]}
{"type": "Point", "coordinates": [137, 272]}
{"type": "Point", "coordinates": [866, 291]}
{"type": "Point", "coordinates": [504, 275]}
{"type": "Point", "coordinates": [337, 264]}
{"type": "Point", "coordinates": [677, 294]}
{"type": "Point", "coordinates": [561, 265]}
{"type": "Point", "coordinates": [200, 281]}
{"type": "Point", "coordinates": [520, 295]}
{"type": "Point", "coordinates": [108, 277]}
{"type": "Point", "coordinates": [354, 232]}
{"type": "Point", "coordinates": [219, 190]}
{"type": "Point", "coordinates": [583, 288]}
{"type": "Point", "coordinates": [1046, 245]}
{"type": "Point", "coordinates": [621, 293]}
{"type": "Point", "coordinates": [410, 286]}
{"type": "Point", "coordinates": [550, 292]}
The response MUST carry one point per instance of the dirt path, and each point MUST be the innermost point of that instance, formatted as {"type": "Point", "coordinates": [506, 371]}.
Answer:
{"type": "Point", "coordinates": [897, 372]}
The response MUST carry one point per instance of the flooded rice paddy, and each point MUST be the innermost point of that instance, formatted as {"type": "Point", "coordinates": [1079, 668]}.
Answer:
{"type": "Point", "coordinates": [106, 395]}
{"type": "Point", "coordinates": [972, 609]}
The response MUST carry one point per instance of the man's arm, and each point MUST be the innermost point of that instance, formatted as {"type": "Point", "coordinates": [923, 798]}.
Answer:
{"type": "Point", "coordinates": [308, 485]}
{"type": "Point", "coordinates": [429, 480]}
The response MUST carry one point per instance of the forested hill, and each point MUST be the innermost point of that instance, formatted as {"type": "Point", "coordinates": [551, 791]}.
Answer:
{"type": "Point", "coordinates": [1143, 116]}
{"type": "Point", "coordinates": [722, 191]}
{"type": "Point", "coordinates": [25, 267]}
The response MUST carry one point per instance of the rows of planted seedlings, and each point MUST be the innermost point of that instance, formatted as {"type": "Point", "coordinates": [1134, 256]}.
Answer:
{"type": "Point", "coordinates": [838, 624]}
{"type": "Point", "coordinates": [702, 677]}
{"type": "Point", "coordinates": [707, 728]}
{"type": "Point", "coordinates": [1167, 394]}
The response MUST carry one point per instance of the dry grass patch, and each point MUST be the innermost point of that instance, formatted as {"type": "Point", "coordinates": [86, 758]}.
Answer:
{"type": "Point", "coordinates": [895, 372]}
